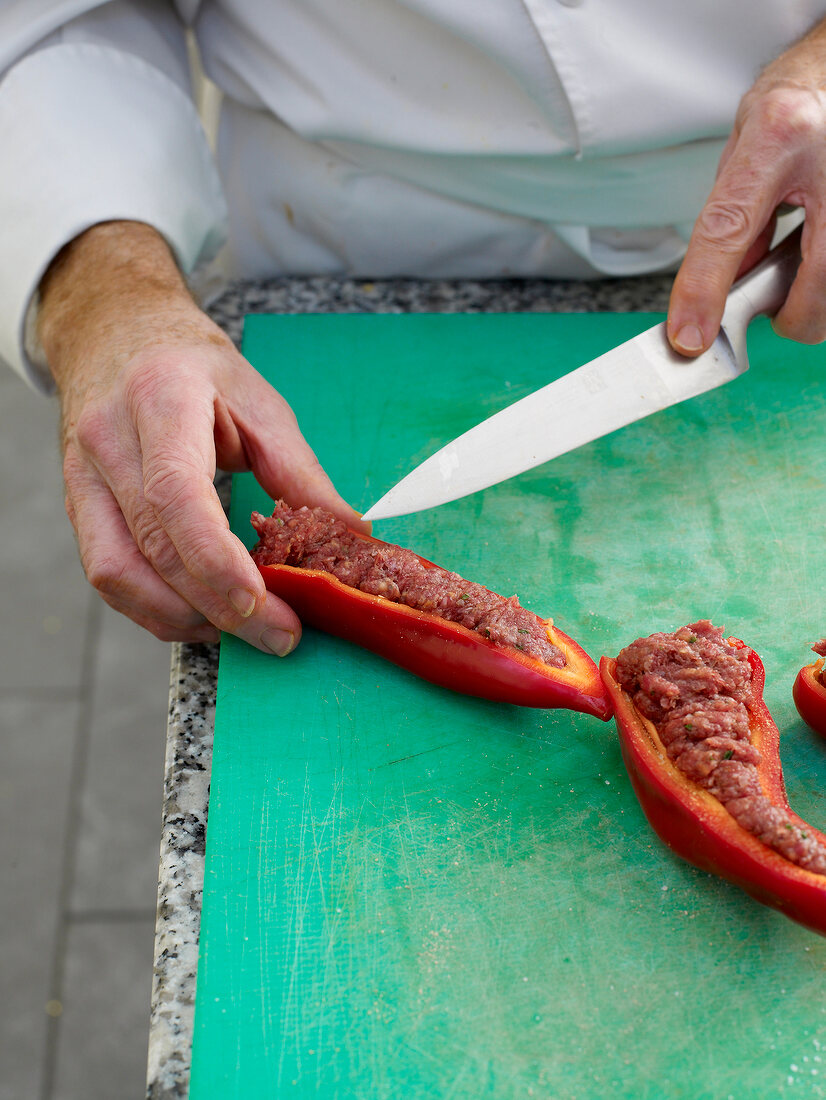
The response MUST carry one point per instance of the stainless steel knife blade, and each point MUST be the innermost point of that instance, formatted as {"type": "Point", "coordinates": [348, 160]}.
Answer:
{"type": "Point", "coordinates": [640, 377]}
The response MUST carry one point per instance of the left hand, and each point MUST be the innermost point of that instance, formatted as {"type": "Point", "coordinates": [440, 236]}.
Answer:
{"type": "Point", "coordinates": [153, 397]}
{"type": "Point", "coordinates": [775, 155]}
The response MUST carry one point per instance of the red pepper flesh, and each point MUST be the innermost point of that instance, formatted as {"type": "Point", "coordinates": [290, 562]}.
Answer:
{"type": "Point", "coordinates": [699, 828]}
{"type": "Point", "coordinates": [445, 653]}
{"type": "Point", "coordinates": [809, 694]}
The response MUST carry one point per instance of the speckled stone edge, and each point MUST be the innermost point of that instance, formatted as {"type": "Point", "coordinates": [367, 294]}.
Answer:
{"type": "Point", "coordinates": [195, 668]}
{"type": "Point", "coordinates": [339, 295]}
{"type": "Point", "coordinates": [193, 678]}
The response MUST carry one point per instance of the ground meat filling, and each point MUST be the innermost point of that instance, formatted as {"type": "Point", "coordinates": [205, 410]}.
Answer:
{"type": "Point", "coordinates": [696, 690]}
{"type": "Point", "coordinates": [312, 538]}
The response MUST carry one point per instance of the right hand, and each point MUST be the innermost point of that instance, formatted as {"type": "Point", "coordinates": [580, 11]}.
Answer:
{"type": "Point", "coordinates": [155, 397]}
{"type": "Point", "coordinates": [775, 157]}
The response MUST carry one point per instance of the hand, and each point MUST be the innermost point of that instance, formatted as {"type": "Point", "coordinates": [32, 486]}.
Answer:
{"type": "Point", "coordinates": [154, 396]}
{"type": "Point", "coordinates": [775, 155]}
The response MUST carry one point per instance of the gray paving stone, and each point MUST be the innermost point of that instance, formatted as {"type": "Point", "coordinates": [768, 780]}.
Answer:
{"type": "Point", "coordinates": [45, 595]}
{"type": "Point", "coordinates": [48, 611]}
{"type": "Point", "coordinates": [119, 828]}
{"type": "Point", "coordinates": [101, 1050]}
{"type": "Point", "coordinates": [36, 744]}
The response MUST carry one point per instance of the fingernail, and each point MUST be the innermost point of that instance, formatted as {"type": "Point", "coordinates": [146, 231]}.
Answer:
{"type": "Point", "coordinates": [242, 600]}
{"type": "Point", "coordinates": [279, 642]}
{"type": "Point", "coordinates": [690, 338]}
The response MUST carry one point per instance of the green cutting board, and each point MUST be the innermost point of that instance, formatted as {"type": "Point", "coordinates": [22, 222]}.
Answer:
{"type": "Point", "coordinates": [414, 894]}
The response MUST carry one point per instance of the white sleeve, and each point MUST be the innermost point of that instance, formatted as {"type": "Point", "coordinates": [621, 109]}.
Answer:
{"type": "Point", "coordinates": [96, 123]}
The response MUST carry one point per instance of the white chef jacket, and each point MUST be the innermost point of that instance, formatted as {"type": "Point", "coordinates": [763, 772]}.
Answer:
{"type": "Point", "coordinates": [442, 138]}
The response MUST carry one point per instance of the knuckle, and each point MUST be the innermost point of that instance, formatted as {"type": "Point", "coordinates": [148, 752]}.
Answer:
{"type": "Point", "coordinates": [166, 385]}
{"type": "Point", "coordinates": [786, 114]}
{"type": "Point", "coordinates": [92, 429]}
{"type": "Point", "coordinates": [200, 559]}
{"type": "Point", "coordinates": [107, 574]}
{"type": "Point", "coordinates": [200, 556]}
{"type": "Point", "coordinates": [725, 223]}
{"type": "Point", "coordinates": [154, 543]}
{"type": "Point", "coordinates": [169, 495]}
{"type": "Point", "coordinates": [148, 376]}
{"type": "Point", "coordinates": [165, 486]}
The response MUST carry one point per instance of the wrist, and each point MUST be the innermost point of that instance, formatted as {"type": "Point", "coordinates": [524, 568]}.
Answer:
{"type": "Point", "coordinates": [110, 292]}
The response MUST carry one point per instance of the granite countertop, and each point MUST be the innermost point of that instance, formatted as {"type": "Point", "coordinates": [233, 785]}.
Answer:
{"type": "Point", "coordinates": [194, 670]}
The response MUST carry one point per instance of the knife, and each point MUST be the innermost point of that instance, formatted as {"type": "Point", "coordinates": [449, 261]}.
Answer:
{"type": "Point", "coordinates": [635, 379]}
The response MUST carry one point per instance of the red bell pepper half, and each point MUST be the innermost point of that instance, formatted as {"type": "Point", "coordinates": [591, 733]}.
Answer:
{"type": "Point", "coordinates": [809, 694]}
{"type": "Point", "coordinates": [699, 828]}
{"type": "Point", "coordinates": [445, 653]}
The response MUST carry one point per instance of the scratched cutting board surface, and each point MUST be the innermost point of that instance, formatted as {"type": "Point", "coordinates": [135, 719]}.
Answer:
{"type": "Point", "coordinates": [412, 893]}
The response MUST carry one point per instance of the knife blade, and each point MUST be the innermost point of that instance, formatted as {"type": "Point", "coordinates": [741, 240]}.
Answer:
{"type": "Point", "coordinates": [634, 380]}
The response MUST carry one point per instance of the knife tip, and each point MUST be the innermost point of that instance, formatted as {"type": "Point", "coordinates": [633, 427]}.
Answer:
{"type": "Point", "coordinates": [379, 510]}
{"type": "Point", "coordinates": [385, 509]}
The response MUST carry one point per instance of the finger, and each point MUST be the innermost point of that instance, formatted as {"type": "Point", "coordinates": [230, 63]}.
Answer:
{"type": "Point", "coordinates": [803, 315]}
{"type": "Point", "coordinates": [178, 464]}
{"type": "Point", "coordinates": [142, 574]}
{"type": "Point", "coordinates": [114, 566]}
{"type": "Point", "coordinates": [272, 627]}
{"type": "Point", "coordinates": [283, 462]}
{"type": "Point", "coordinates": [158, 592]}
{"type": "Point", "coordinates": [728, 233]}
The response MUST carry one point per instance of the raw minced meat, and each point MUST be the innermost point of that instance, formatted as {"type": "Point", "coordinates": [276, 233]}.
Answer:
{"type": "Point", "coordinates": [696, 690]}
{"type": "Point", "coordinates": [312, 538]}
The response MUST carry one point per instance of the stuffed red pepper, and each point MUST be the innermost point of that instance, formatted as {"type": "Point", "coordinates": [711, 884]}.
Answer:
{"type": "Point", "coordinates": [702, 752]}
{"type": "Point", "coordinates": [451, 631]}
